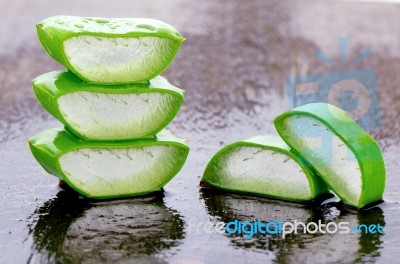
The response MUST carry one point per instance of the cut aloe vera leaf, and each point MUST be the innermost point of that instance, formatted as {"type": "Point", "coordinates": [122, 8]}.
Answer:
{"type": "Point", "coordinates": [110, 51]}
{"type": "Point", "coordinates": [265, 166]}
{"type": "Point", "coordinates": [99, 112]}
{"type": "Point", "coordinates": [102, 170]}
{"type": "Point", "coordinates": [346, 157]}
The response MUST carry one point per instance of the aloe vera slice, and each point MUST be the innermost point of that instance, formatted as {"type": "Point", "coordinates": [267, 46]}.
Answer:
{"type": "Point", "coordinates": [346, 157]}
{"type": "Point", "coordinates": [110, 51]}
{"type": "Point", "coordinates": [110, 169]}
{"type": "Point", "coordinates": [263, 165]}
{"type": "Point", "coordinates": [98, 112]}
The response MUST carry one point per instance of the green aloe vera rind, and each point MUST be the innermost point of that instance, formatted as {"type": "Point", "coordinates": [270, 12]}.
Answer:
{"type": "Point", "coordinates": [54, 31]}
{"type": "Point", "coordinates": [366, 150]}
{"type": "Point", "coordinates": [49, 146]}
{"type": "Point", "coordinates": [213, 174]}
{"type": "Point", "coordinates": [51, 86]}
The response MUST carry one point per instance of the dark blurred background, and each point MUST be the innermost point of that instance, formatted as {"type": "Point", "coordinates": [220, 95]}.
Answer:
{"type": "Point", "coordinates": [234, 67]}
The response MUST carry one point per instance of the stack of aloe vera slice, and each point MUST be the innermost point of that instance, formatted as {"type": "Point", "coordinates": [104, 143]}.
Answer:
{"type": "Point", "coordinates": [320, 148]}
{"type": "Point", "coordinates": [113, 104]}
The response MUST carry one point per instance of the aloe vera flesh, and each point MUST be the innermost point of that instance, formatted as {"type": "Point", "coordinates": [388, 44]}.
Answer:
{"type": "Point", "coordinates": [265, 166]}
{"type": "Point", "coordinates": [98, 112]}
{"type": "Point", "coordinates": [110, 51]}
{"type": "Point", "coordinates": [346, 157]}
{"type": "Point", "coordinates": [102, 170]}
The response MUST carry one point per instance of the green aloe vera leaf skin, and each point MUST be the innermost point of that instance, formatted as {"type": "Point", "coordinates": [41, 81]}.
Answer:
{"type": "Point", "coordinates": [264, 166]}
{"type": "Point", "coordinates": [100, 112]}
{"type": "Point", "coordinates": [346, 157]}
{"type": "Point", "coordinates": [103, 170]}
{"type": "Point", "coordinates": [110, 51]}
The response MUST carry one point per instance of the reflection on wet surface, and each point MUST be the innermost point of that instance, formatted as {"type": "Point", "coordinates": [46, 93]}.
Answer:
{"type": "Point", "coordinates": [73, 230]}
{"type": "Point", "coordinates": [301, 248]}
{"type": "Point", "coordinates": [234, 67]}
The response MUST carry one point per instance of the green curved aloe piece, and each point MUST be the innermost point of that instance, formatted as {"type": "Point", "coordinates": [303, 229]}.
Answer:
{"type": "Point", "coordinates": [263, 165]}
{"type": "Point", "coordinates": [110, 51]}
{"type": "Point", "coordinates": [346, 157]}
{"type": "Point", "coordinates": [102, 170]}
{"type": "Point", "coordinates": [100, 112]}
